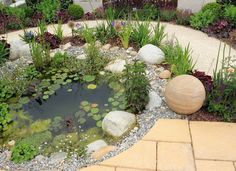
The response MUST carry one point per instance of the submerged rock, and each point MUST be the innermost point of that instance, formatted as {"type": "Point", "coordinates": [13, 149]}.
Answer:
{"type": "Point", "coordinates": [151, 54]}
{"type": "Point", "coordinates": [95, 146]}
{"type": "Point", "coordinates": [97, 155]}
{"type": "Point", "coordinates": [57, 157]}
{"type": "Point", "coordinates": [116, 123]}
{"type": "Point", "coordinates": [154, 100]}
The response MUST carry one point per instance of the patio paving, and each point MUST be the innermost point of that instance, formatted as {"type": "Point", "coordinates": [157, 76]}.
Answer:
{"type": "Point", "coordinates": [179, 145]}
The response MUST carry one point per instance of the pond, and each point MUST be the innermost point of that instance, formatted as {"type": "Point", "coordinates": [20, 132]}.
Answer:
{"type": "Point", "coordinates": [73, 114]}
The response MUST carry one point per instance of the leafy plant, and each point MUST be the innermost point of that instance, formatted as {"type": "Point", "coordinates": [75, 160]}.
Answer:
{"type": "Point", "coordinates": [125, 34]}
{"type": "Point", "coordinates": [141, 33]}
{"type": "Point", "coordinates": [214, 7]}
{"type": "Point", "coordinates": [159, 34]}
{"type": "Point", "coordinates": [65, 4]}
{"type": "Point", "coordinates": [76, 11]}
{"type": "Point", "coordinates": [222, 97]}
{"type": "Point", "coordinates": [40, 55]}
{"type": "Point", "coordinates": [148, 12]}
{"type": "Point", "coordinates": [49, 40]}
{"type": "Point", "coordinates": [136, 86]}
{"type": "Point", "coordinates": [219, 29]}
{"type": "Point", "coordinates": [202, 19]}
{"type": "Point", "coordinates": [167, 14]}
{"type": "Point", "coordinates": [59, 31]}
{"type": "Point", "coordinates": [48, 8]}
{"type": "Point", "coordinates": [183, 17]}
{"type": "Point", "coordinates": [62, 16]}
{"type": "Point", "coordinates": [101, 33]}
{"type": "Point", "coordinates": [59, 60]}
{"type": "Point", "coordinates": [4, 50]}
{"type": "Point", "coordinates": [5, 118]}
{"type": "Point", "coordinates": [88, 35]}
{"type": "Point", "coordinates": [230, 14]}
{"type": "Point", "coordinates": [23, 152]}
{"type": "Point", "coordinates": [110, 18]}
{"type": "Point", "coordinates": [179, 58]}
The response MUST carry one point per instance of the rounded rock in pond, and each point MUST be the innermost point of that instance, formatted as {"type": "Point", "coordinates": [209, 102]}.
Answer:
{"type": "Point", "coordinates": [96, 145]}
{"type": "Point", "coordinates": [151, 54]}
{"type": "Point", "coordinates": [116, 123]}
{"type": "Point", "coordinates": [185, 94]}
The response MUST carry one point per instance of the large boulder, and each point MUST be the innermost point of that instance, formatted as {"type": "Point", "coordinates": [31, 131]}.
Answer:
{"type": "Point", "coordinates": [151, 54]}
{"type": "Point", "coordinates": [154, 100]}
{"type": "Point", "coordinates": [116, 123]}
{"type": "Point", "coordinates": [95, 146]}
{"type": "Point", "coordinates": [19, 49]}
{"type": "Point", "coordinates": [116, 66]}
{"type": "Point", "coordinates": [185, 94]}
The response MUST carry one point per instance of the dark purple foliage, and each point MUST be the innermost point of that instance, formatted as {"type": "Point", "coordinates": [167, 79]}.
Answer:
{"type": "Point", "coordinates": [50, 39]}
{"type": "Point", "coordinates": [62, 16]}
{"type": "Point", "coordinates": [205, 79]}
{"type": "Point", "coordinates": [219, 29]}
{"type": "Point", "coordinates": [36, 18]}
{"type": "Point", "coordinates": [89, 16]}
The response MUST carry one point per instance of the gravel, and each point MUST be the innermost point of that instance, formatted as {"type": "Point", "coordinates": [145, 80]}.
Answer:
{"type": "Point", "coordinates": [145, 120]}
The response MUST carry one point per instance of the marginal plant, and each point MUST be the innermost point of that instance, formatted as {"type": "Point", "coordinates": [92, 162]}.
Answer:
{"type": "Point", "coordinates": [5, 118]}
{"type": "Point", "coordinates": [58, 30]}
{"type": "Point", "coordinates": [136, 86]}
{"type": "Point", "coordinates": [4, 50]}
{"type": "Point", "coordinates": [125, 34]}
{"type": "Point", "coordinates": [159, 34]}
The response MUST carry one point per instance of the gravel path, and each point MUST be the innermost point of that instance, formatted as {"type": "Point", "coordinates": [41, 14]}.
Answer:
{"type": "Point", "coordinates": [204, 48]}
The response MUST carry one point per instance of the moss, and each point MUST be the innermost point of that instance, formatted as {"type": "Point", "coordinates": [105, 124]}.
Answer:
{"type": "Point", "coordinates": [40, 126]}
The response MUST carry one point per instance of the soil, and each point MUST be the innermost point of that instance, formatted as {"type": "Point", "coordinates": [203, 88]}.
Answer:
{"type": "Point", "coordinates": [75, 41]}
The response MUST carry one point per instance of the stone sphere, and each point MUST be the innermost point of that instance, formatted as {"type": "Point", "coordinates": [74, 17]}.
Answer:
{"type": "Point", "coordinates": [185, 94]}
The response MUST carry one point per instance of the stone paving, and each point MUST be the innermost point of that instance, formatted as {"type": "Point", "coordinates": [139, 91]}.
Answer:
{"type": "Point", "coordinates": [179, 145]}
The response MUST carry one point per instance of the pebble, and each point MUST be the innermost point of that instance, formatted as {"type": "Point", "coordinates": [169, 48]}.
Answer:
{"type": "Point", "coordinates": [106, 47]}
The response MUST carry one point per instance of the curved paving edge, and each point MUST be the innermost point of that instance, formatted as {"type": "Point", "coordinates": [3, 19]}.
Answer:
{"type": "Point", "coordinates": [204, 48]}
{"type": "Point", "coordinates": [178, 145]}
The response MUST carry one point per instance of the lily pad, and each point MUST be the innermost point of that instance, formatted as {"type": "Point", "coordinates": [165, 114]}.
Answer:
{"type": "Point", "coordinates": [45, 97]}
{"type": "Point", "coordinates": [99, 124]}
{"type": "Point", "coordinates": [89, 78]}
{"type": "Point", "coordinates": [24, 100]}
{"type": "Point", "coordinates": [69, 90]}
{"type": "Point", "coordinates": [84, 103]}
{"type": "Point", "coordinates": [97, 117]}
{"type": "Point", "coordinates": [68, 80]}
{"type": "Point", "coordinates": [86, 108]}
{"type": "Point", "coordinates": [92, 86]}
{"type": "Point", "coordinates": [111, 99]}
{"type": "Point", "coordinates": [94, 110]}
{"type": "Point", "coordinates": [115, 103]}
{"type": "Point", "coordinates": [82, 120]}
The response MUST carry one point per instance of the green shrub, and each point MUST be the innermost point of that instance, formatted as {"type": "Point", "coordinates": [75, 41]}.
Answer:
{"type": "Point", "coordinates": [32, 3]}
{"type": "Point", "coordinates": [59, 60]}
{"type": "Point", "coordinates": [76, 11]}
{"type": "Point", "coordinates": [167, 14]}
{"type": "Point", "coordinates": [23, 152]}
{"type": "Point", "coordinates": [230, 13]}
{"type": "Point", "coordinates": [18, 12]}
{"type": "Point", "coordinates": [65, 4]}
{"type": "Point", "coordinates": [214, 7]}
{"type": "Point", "coordinates": [148, 12]}
{"type": "Point", "coordinates": [202, 19]}
{"type": "Point", "coordinates": [183, 17]}
{"type": "Point", "coordinates": [48, 8]}
{"type": "Point", "coordinates": [179, 59]}
{"type": "Point", "coordinates": [136, 86]}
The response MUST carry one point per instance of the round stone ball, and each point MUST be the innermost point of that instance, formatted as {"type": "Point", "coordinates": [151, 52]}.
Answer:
{"type": "Point", "coordinates": [185, 94]}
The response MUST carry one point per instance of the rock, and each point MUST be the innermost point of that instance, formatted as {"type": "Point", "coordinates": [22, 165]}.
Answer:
{"type": "Point", "coordinates": [98, 44]}
{"type": "Point", "coordinates": [7, 155]}
{"type": "Point", "coordinates": [39, 158]}
{"type": "Point", "coordinates": [165, 74]}
{"type": "Point", "coordinates": [106, 47]}
{"type": "Point", "coordinates": [115, 48]}
{"type": "Point", "coordinates": [19, 49]}
{"type": "Point", "coordinates": [11, 143]}
{"type": "Point", "coordinates": [130, 49]}
{"type": "Point", "coordinates": [18, 3]}
{"type": "Point", "coordinates": [116, 66]}
{"type": "Point", "coordinates": [86, 45]}
{"type": "Point", "coordinates": [66, 46]}
{"type": "Point", "coordinates": [95, 146]}
{"type": "Point", "coordinates": [116, 123]}
{"type": "Point", "coordinates": [185, 94]}
{"type": "Point", "coordinates": [154, 100]}
{"type": "Point", "coordinates": [151, 54]}
{"type": "Point", "coordinates": [97, 155]}
{"type": "Point", "coordinates": [133, 53]}
{"type": "Point", "coordinates": [57, 157]}
{"type": "Point", "coordinates": [82, 56]}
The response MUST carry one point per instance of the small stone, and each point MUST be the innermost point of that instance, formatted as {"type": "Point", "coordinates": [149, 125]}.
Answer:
{"type": "Point", "coordinates": [154, 100]}
{"type": "Point", "coordinates": [133, 53]}
{"type": "Point", "coordinates": [95, 146]}
{"type": "Point", "coordinates": [98, 44]}
{"type": "Point", "coordinates": [85, 45]}
{"type": "Point", "coordinates": [102, 73]}
{"type": "Point", "coordinates": [82, 56]}
{"type": "Point", "coordinates": [11, 143]}
{"type": "Point", "coordinates": [115, 48]}
{"type": "Point", "coordinates": [106, 47]}
{"type": "Point", "coordinates": [57, 157]}
{"type": "Point", "coordinates": [97, 155]}
{"type": "Point", "coordinates": [39, 158]}
{"type": "Point", "coordinates": [116, 66]}
{"type": "Point", "coordinates": [165, 74]}
{"type": "Point", "coordinates": [130, 49]}
{"type": "Point", "coordinates": [66, 46]}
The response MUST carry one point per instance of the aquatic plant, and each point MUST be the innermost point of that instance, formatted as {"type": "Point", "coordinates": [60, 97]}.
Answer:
{"type": "Point", "coordinates": [40, 126]}
{"type": "Point", "coordinates": [5, 118]}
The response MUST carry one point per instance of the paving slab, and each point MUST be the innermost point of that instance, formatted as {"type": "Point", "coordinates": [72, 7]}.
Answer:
{"type": "Point", "coordinates": [214, 140]}
{"type": "Point", "coordinates": [206, 165]}
{"type": "Point", "coordinates": [169, 130]}
{"type": "Point", "coordinates": [140, 156]}
{"type": "Point", "coordinates": [98, 168]}
{"type": "Point", "coordinates": [174, 157]}
{"type": "Point", "coordinates": [128, 169]}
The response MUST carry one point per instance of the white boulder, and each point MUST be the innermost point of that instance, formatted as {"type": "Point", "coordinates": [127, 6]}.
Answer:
{"type": "Point", "coordinates": [154, 100]}
{"type": "Point", "coordinates": [95, 146]}
{"type": "Point", "coordinates": [116, 123]}
{"type": "Point", "coordinates": [19, 49]}
{"type": "Point", "coordinates": [116, 66]}
{"type": "Point", "coordinates": [151, 54]}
